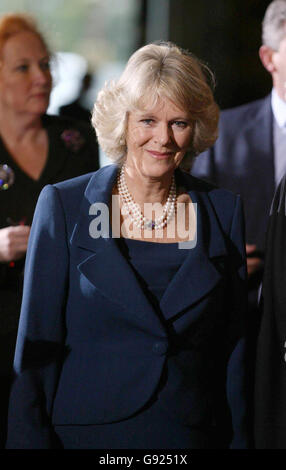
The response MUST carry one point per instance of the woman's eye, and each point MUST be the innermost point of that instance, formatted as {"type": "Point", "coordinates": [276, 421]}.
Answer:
{"type": "Point", "coordinates": [148, 122]}
{"type": "Point", "coordinates": [45, 65]}
{"type": "Point", "coordinates": [23, 68]}
{"type": "Point", "coordinates": [180, 124]}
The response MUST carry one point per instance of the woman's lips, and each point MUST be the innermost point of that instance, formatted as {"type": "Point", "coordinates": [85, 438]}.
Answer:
{"type": "Point", "coordinates": [42, 94]}
{"type": "Point", "coordinates": [160, 155]}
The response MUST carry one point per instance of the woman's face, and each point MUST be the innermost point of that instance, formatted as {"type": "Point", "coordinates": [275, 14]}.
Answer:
{"type": "Point", "coordinates": [25, 77]}
{"type": "Point", "coordinates": [157, 139]}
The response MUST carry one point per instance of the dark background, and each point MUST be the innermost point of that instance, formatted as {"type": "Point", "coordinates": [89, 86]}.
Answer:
{"type": "Point", "coordinates": [226, 34]}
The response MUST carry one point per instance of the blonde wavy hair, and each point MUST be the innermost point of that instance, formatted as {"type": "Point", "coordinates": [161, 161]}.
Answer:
{"type": "Point", "coordinates": [153, 72]}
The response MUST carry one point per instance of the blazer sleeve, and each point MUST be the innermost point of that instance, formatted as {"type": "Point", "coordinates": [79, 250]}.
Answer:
{"type": "Point", "coordinates": [39, 349]}
{"type": "Point", "coordinates": [236, 380]}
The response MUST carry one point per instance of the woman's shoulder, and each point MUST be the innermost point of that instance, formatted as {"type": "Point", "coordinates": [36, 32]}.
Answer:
{"type": "Point", "coordinates": [70, 192]}
{"type": "Point", "coordinates": [99, 180]}
{"type": "Point", "coordinates": [72, 132]}
{"type": "Point", "coordinates": [203, 187]}
{"type": "Point", "coordinates": [65, 122]}
{"type": "Point", "coordinates": [78, 193]}
{"type": "Point", "coordinates": [77, 183]}
{"type": "Point", "coordinates": [75, 137]}
{"type": "Point", "coordinates": [214, 203]}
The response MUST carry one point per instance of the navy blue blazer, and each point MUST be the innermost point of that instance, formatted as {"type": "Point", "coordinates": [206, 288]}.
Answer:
{"type": "Point", "coordinates": [90, 347]}
{"type": "Point", "coordinates": [242, 160]}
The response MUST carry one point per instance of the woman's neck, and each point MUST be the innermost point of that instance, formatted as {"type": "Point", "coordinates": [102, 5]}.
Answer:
{"type": "Point", "coordinates": [146, 189]}
{"type": "Point", "coordinates": [19, 128]}
{"type": "Point", "coordinates": [26, 141]}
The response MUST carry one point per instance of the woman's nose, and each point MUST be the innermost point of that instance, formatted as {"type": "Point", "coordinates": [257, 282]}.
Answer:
{"type": "Point", "coordinates": [41, 76]}
{"type": "Point", "coordinates": [163, 133]}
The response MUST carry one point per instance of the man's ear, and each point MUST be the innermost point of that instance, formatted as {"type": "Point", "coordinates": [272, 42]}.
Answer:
{"type": "Point", "coordinates": [266, 57]}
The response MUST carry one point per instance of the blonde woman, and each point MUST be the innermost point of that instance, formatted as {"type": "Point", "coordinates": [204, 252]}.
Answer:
{"type": "Point", "coordinates": [141, 343]}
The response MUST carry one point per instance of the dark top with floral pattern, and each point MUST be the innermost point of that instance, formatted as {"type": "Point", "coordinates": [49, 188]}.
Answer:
{"type": "Point", "coordinates": [73, 151]}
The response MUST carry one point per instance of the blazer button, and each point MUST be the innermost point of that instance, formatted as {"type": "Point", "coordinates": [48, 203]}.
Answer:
{"type": "Point", "coordinates": [160, 348]}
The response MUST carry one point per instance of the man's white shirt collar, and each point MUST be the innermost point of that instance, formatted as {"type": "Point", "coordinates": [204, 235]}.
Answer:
{"type": "Point", "coordinates": [279, 108]}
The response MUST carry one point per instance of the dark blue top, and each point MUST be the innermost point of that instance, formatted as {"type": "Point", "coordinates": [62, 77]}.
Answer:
{"type": "Point", "coordinates": [73, 151]}
{"type": "Point", "coordinates": [155, 264]}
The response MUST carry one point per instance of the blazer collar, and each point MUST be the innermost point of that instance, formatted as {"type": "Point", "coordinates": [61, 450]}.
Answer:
{"type": "Point", "coordinates": [98, 190]}
{"type": "Point", "coordinates": [101, 260]}
{"type": "Point", "coordinates": [198, 274]}
{"type": "Point", "coordinates": [106, 268]}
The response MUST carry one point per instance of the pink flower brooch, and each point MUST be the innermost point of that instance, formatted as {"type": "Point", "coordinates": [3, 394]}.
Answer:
{"type": "Point", "coordinates": [73, 139]}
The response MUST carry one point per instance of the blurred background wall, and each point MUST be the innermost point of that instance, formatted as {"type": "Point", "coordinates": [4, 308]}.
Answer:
{"type": "Point", "coordinates": [99, 36]}
{"type": "Point", "coordinates": [226, 34]}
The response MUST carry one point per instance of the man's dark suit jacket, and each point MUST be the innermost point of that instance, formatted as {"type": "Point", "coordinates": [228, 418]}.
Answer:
{"type": "Point", "coordinates": [242, 160]}
{"type": "Point", "coordinates": [270, 395]}
{"type": "Point", "coordinates": [91, 348]}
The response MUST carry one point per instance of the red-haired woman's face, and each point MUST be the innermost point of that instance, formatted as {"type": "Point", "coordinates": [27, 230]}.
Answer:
{"type": "Point", "coordinates": [25, 77]}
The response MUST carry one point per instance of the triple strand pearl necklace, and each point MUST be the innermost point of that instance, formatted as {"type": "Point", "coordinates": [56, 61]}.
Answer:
{"type": "Point", "coordinates": [134, 211]}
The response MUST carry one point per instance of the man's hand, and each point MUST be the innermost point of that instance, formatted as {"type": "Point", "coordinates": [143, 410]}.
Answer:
{"type": "Point", "coordinates": [13, 242]}
{"type": "Point", "coordinates": [254, 262]}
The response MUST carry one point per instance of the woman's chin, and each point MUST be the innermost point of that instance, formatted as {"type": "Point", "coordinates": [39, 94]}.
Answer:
{"type": "Point", "coordinates": [159, 169]}
{"type": "Point", "coordinates": [39, 110]}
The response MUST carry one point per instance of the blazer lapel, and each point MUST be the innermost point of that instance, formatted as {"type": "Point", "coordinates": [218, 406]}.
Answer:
{"type": "Point", "coordinates": [101, 260]}
{"type": "Point", "coordinates": [105, 267]}
{"type": "Point", "coordinates": [198, 275]}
